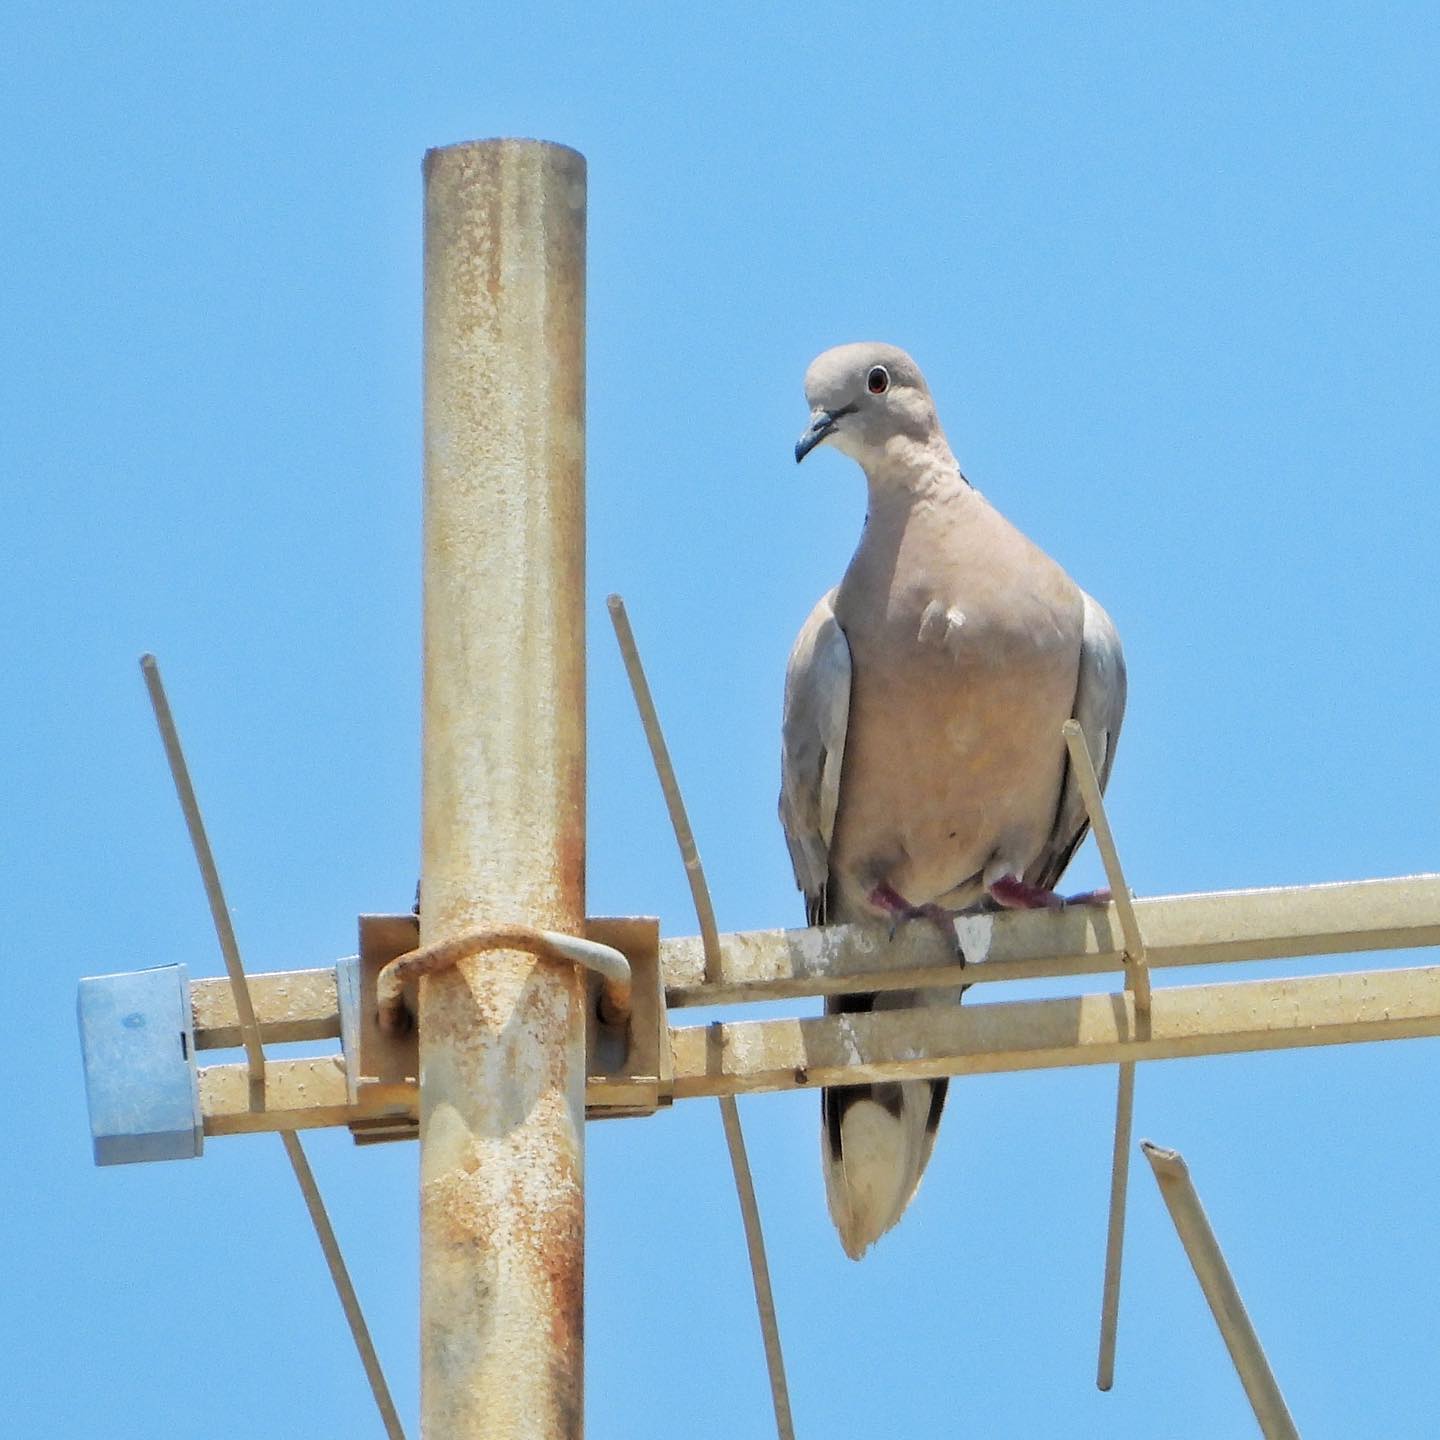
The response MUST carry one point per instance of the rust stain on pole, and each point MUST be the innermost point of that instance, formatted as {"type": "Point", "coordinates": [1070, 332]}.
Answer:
{"type": "Point", "coordinates": [502, 1037]}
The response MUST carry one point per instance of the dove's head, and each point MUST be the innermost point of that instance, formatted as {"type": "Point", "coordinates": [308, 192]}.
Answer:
{"type": "Point", "coordinates": [864, 399]}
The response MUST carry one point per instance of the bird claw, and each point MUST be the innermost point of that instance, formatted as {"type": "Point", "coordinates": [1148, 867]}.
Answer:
{"type": "Point", "coordinates": [901, 910]}
{"type": "Point", "coordinates": [1091, 897]}
{"type": "Point", "coordinates": [1012, 893]}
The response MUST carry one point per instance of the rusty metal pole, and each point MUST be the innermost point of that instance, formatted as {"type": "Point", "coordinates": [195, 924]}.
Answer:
{"type": "Point", "coordinates": [502, 1037]}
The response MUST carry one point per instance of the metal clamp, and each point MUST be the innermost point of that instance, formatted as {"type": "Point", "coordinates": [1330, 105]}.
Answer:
{"type": "Point", "coordinates": [607, 962]}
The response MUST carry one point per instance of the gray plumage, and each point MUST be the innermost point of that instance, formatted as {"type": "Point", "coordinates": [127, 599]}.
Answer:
{"type": "Point", "coordinates": [922, 760]}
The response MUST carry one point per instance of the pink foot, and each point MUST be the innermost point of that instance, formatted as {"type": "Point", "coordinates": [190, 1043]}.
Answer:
{"type": "Point", "coordinates": [885, 897]}
{"type": "Point", "coordinates": [1012, 893]}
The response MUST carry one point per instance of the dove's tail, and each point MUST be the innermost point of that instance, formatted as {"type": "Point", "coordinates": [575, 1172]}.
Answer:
{"type": "Point", "coordinates": [875, 1140]}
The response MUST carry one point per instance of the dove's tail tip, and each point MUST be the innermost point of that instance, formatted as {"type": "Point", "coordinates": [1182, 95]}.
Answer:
{"type": "Point", "coordinates": [875, 1141]}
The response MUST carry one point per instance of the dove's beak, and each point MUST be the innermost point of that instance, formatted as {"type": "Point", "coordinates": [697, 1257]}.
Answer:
{"type": "Point", "coordinates": [822, 424]}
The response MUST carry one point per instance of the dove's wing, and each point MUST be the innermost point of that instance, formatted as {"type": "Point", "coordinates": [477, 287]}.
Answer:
{"type": "Point", "coordinates": [1100, 708]}
{"type": "Point", "coordinates": [817, 708]}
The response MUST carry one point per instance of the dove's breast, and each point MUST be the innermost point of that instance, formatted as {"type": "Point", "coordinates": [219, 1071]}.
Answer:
{"type": "Point", "coordinates": [962, 676]}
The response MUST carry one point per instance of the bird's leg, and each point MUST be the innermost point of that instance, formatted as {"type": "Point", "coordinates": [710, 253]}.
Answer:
{"type": "Point", "coordinates": [1011, 893]}
{"type": "Point", "coordinates": [885, 897]}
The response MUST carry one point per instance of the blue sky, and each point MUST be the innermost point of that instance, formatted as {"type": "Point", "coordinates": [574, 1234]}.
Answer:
{"type": "Point", "coordinates": [1172, 273]}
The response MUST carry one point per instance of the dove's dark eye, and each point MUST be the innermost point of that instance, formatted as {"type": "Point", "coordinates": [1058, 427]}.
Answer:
{"type": "Point", "coordinates": [878, 380]}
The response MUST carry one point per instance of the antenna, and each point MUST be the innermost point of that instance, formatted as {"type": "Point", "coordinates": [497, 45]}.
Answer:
{"type": "Point", "coordinates": [498, 1108]}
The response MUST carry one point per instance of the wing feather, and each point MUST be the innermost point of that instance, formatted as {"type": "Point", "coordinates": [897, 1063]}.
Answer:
{"type": "Point", "coordinates": [1100, 709]}
{"type": "Point", "coordinates": [817, 711]}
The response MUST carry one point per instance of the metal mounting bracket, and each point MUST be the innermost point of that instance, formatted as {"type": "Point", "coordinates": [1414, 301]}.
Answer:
{"type": "Point", "coordinates": [629, 1069]}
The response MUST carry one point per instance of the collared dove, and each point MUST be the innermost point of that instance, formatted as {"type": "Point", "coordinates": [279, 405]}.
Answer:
{"type": "Point", "coordinates": [923, 769]}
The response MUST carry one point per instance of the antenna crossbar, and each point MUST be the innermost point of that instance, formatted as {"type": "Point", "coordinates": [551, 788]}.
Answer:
{"type": "Point", "coordinates": [749, 1057]}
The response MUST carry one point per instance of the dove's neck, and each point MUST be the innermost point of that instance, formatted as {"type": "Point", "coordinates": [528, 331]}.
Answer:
{"type": "Point", "coordinates": [906, 472]}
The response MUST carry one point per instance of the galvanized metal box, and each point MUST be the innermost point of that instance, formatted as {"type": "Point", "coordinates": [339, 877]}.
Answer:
{"type": "Point", "coordinates": [138, 1046]}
